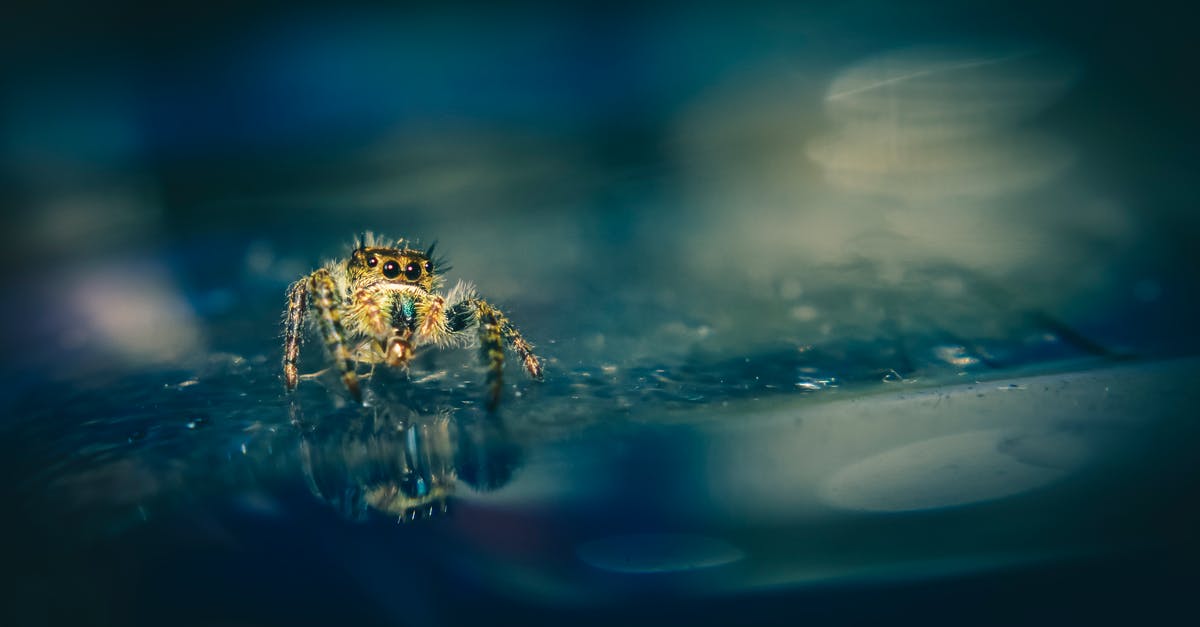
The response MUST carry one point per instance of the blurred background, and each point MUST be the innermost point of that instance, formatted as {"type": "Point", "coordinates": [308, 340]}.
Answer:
{"type": "Point", "coordinates": [698, 212]}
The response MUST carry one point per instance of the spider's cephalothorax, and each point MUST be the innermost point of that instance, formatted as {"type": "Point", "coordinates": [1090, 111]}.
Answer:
{"type": "Point", "coordinates": [382, 303]}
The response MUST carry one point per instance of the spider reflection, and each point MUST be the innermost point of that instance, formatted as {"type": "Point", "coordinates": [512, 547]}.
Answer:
{"type": "Point", "coordinates": [398, 462]}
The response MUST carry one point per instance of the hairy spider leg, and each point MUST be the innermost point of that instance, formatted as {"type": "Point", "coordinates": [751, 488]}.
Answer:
{"type": "Point", "coordinates": [524, 350]}
{"type": "Point", "coordinates": [491, 349]}
{"type": "Point", "coordinates": [293, 328]}
{"type": "Point", "coordinates": [326, 301]}
{"type": "Point", "coordinates": [494, 330]}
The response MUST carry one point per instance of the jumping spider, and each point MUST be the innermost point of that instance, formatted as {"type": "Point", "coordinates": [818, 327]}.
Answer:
{"type": "Point", "coordinates": [382, 303]}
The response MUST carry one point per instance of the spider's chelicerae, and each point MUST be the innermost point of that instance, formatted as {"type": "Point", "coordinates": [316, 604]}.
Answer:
{"type": "Point", "coordinates": [382, 303]}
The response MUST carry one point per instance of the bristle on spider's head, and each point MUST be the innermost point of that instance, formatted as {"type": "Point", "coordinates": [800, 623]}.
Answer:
{"type": "Point", "coordinates": [370, 239]}
{"type": "Point", "coordinates": [439, 263]}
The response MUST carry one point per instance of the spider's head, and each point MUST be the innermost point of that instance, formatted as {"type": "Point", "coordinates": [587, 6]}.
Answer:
{"type": "Point", "coordinates": [399, 267]}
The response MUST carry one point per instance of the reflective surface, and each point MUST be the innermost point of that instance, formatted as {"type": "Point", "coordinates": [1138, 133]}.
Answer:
{"type": "Point", "coordinates": [849, 313]}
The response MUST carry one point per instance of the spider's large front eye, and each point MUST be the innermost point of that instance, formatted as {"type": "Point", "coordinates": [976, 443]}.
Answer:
{"type": "Point", "coordinates": [412, 272]}
{"type": "Point", "coordinates": [391, 269]}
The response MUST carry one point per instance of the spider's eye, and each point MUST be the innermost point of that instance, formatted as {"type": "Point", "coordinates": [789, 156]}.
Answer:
{"type": "Point", "coordinates": [429, 266]}
{"type": "Point", "coordinates": [412, 272]}
{"type": "Point", "coordinates": [372, 261]}
{"type": "Point", "coordinates": [391, 269]}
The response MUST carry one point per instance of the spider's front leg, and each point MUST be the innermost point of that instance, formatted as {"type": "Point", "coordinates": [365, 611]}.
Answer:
{"type": "Point", "coordinates": [327, 303]}
{"type": "Point", "coordinates": [494, 331]}
{"type": "Point", "coordinates": [293, 327]}
{"type": "Point", "coordinates": [515, 341]}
